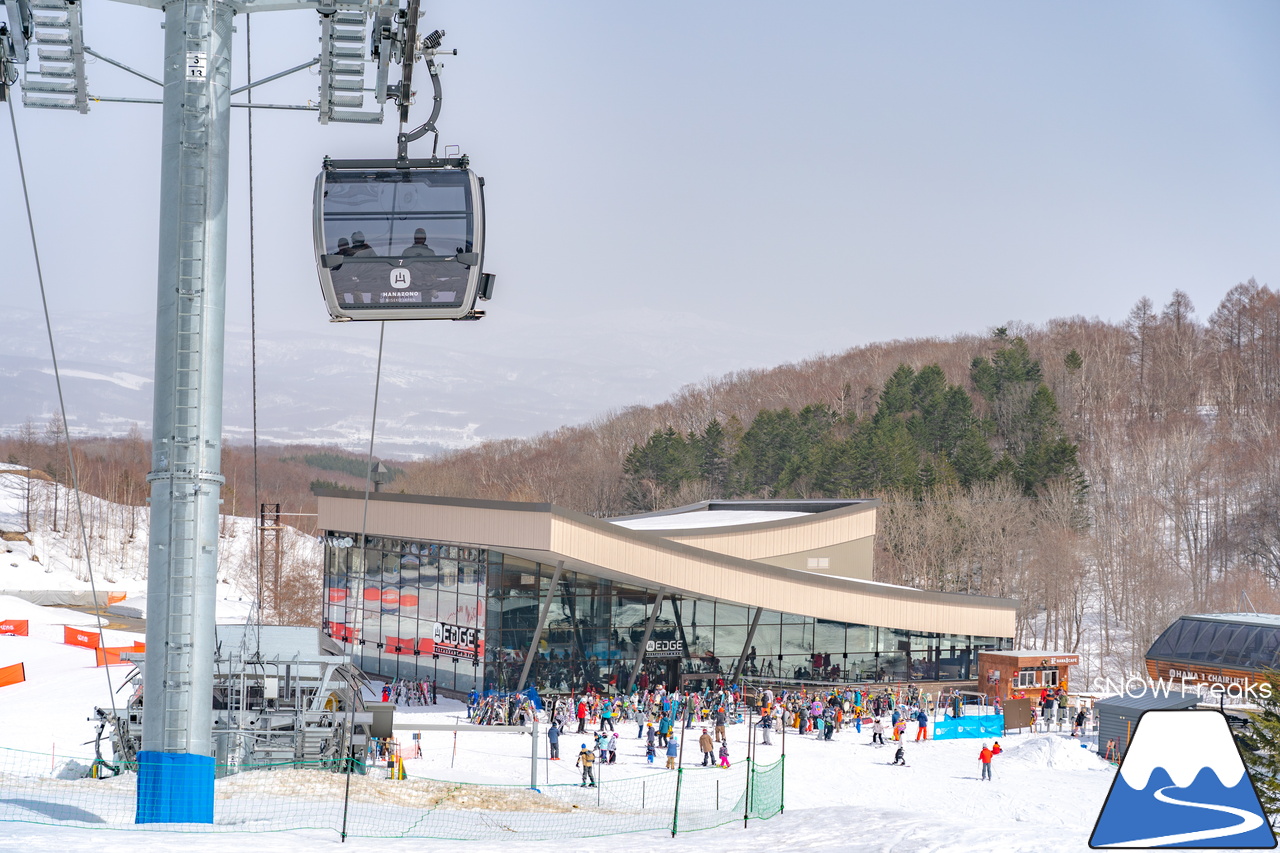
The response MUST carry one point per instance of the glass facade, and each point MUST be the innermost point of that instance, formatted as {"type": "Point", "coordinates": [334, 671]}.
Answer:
{"type": "Point", "coordinates": [473, 607]}
{"type": "Point", "coordinates": [409, 610]}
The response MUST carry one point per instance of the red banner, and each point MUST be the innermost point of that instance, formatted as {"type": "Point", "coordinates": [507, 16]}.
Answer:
{"type": "Point", "coordinates": [139, 646]}
{"type": "Point", "coordinates": [14, 627]}
{"type": "Point", "coordinates": [76, 637]}
{"type": "Point", "coordinates": [399, 645]}
{"type": "Point", "coordinates": [111, 654]}
{"type": "Point", "coordinates": [15, 674]}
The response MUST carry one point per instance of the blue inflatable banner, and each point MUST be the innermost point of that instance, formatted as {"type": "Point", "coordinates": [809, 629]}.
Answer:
{"type": "Point", "coordinates": [987, 726]}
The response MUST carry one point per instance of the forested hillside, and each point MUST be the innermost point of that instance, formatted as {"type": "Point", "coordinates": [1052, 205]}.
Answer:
{"type": "Point", "coordinates": [1109, 476]}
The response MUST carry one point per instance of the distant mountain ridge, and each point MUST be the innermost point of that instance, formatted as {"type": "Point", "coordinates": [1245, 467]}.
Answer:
{"type": "Point", "coordinates": [516, 379]}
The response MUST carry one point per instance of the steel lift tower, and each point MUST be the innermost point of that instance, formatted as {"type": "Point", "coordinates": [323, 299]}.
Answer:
{"type": "Point", "coordinates": [176, 768]}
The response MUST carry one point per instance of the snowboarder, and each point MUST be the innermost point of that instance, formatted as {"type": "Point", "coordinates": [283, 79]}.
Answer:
{"type": "Point", "coordinates": [900, 757]}
{"type": "Point", "coordinates": [985, 757]}
{"type": "Point", "coordinates": [585, 759]}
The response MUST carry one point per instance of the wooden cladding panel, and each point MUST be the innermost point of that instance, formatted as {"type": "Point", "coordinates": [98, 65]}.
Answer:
{"type": "Point", "coordinates": [496, 528]}
{"type": "Point", "coordinates": [706, 575]}
{"type": "Point", "coordinates": [771, 539]}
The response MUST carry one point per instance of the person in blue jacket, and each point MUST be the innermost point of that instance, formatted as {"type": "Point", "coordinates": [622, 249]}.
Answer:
{"type": "Point", "coordinates": [673, 750]}
{"type": "Point", "coordinates": [553, 738]}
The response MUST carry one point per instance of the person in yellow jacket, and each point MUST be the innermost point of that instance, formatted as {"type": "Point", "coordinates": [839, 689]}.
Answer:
{"type": "Point", "coordinates": [586, 758]}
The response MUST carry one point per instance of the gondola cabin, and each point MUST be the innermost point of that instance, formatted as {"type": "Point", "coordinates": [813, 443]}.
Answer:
{"type": "Point", "coordinates": [400, 240]}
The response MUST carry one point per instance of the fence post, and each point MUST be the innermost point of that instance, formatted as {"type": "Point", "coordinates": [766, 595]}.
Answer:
{"type": "Point", "coordinates": [782, 791]}
{"type": "Point", "coordinates": [675, 813]}
{"type": "Point", "coordinates": [746, 799]}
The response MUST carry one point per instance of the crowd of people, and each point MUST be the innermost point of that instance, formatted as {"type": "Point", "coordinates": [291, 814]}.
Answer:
{"type": "Point", "coordinates": [661, 717]}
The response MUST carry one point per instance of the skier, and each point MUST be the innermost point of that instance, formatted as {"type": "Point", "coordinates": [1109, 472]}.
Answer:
{"type": "Point", "coordinates": [1078, 729]}
{"type": "Point", "coordinates": [602, 745]}
{"type": "Point", "coordinates": [553, 738]}
{"type": "Point", "coordinates": [585, 759]}
{"type": "Point", "coordinates": [582, 716]}
{"type": "Point", "coordinates": [766, 726]}
{"type": "Point", "coordinates": [613, 748]}
{"type": "Point", "coordinates": [922, 721]}
{"type": "Point", "coordinates": [673, 750]}
{"type": "Point", "coordinates": [650, 750]}
{"type": "Point", "coordinates": [877, 732]}
{"type": "Point", "coordinates": [985, 757]}
{"type": "Point", "coordinates": [900, 757]}
{"type": "Point", "coordinates": [724, 753]}
{"type": "Point", "coordinates": [720, 718]}
{"type": "Point", "coordinates": [708, 746]}
{"type": "Point", "coordinates": [606, 716]}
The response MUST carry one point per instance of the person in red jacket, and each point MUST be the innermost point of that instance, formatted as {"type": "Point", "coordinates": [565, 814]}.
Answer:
{"type": "Point", "coordinates": [985, 757]}
{"type": "Point", "coordinates": [582, 715]}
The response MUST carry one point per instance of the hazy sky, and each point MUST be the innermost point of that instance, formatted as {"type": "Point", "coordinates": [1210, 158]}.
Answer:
{"type": "Point", "coordinates": [806, 177]}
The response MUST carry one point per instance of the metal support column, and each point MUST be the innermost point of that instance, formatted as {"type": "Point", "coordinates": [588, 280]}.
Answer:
{"type": "Point", "coordinates": [746, 645]}
{"type": "Point", "coordinates": [542, 624]}
{"type": "Point", "coordinates": [175, 782]}
{"type": "Point", "coordinates": [644, 641]}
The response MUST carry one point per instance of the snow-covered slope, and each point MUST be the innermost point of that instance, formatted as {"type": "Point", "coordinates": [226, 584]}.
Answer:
{"type": "Point", "coordinates": [53, 557]}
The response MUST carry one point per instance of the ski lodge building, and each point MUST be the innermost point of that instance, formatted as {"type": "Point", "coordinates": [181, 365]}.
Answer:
{"type": "Point", "coordinates": [499, 595]}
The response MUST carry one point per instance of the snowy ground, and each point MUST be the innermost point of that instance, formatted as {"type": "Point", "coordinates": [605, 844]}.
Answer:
{"type": "Point", "coordinates": [841, 795]}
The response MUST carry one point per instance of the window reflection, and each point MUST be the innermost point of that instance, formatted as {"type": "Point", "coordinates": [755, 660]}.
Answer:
{"type": "Point", "coordinates": [467, 618]}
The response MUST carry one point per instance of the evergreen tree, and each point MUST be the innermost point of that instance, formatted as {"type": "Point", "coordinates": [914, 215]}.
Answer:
{"type": "Point", "coordinates": [895, 399]}
{"type": "Point", "coordinates": [1261, 746]}
{"type": "Point", "coordinates": [712, 458]}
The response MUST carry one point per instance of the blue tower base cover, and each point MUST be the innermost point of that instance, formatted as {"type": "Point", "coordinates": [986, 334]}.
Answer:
{"type": "Point", "coordinates": [174, 787]}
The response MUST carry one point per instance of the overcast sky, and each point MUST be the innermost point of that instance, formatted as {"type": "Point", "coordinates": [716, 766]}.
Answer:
{"type": "Point", "coordinates": [806, 177]}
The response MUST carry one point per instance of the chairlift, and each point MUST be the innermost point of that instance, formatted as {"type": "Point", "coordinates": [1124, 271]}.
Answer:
{"type": "Point", "coordinates": [401, 239]}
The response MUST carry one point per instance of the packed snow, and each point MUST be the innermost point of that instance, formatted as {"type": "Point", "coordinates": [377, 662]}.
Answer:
{"type": "Point", "coordinates": [840, 795]}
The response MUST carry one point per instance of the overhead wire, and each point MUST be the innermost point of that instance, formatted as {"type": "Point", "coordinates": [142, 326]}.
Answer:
{"type": "Point", "coordinates": [62, 405]}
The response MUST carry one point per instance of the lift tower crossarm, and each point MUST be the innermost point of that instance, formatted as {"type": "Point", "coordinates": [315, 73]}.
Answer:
{"type": "Point", "coordinates": [244, 7]}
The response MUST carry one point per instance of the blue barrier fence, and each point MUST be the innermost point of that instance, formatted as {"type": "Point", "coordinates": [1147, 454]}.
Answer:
{"type": "Point", "coordinates": [987, 726]}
